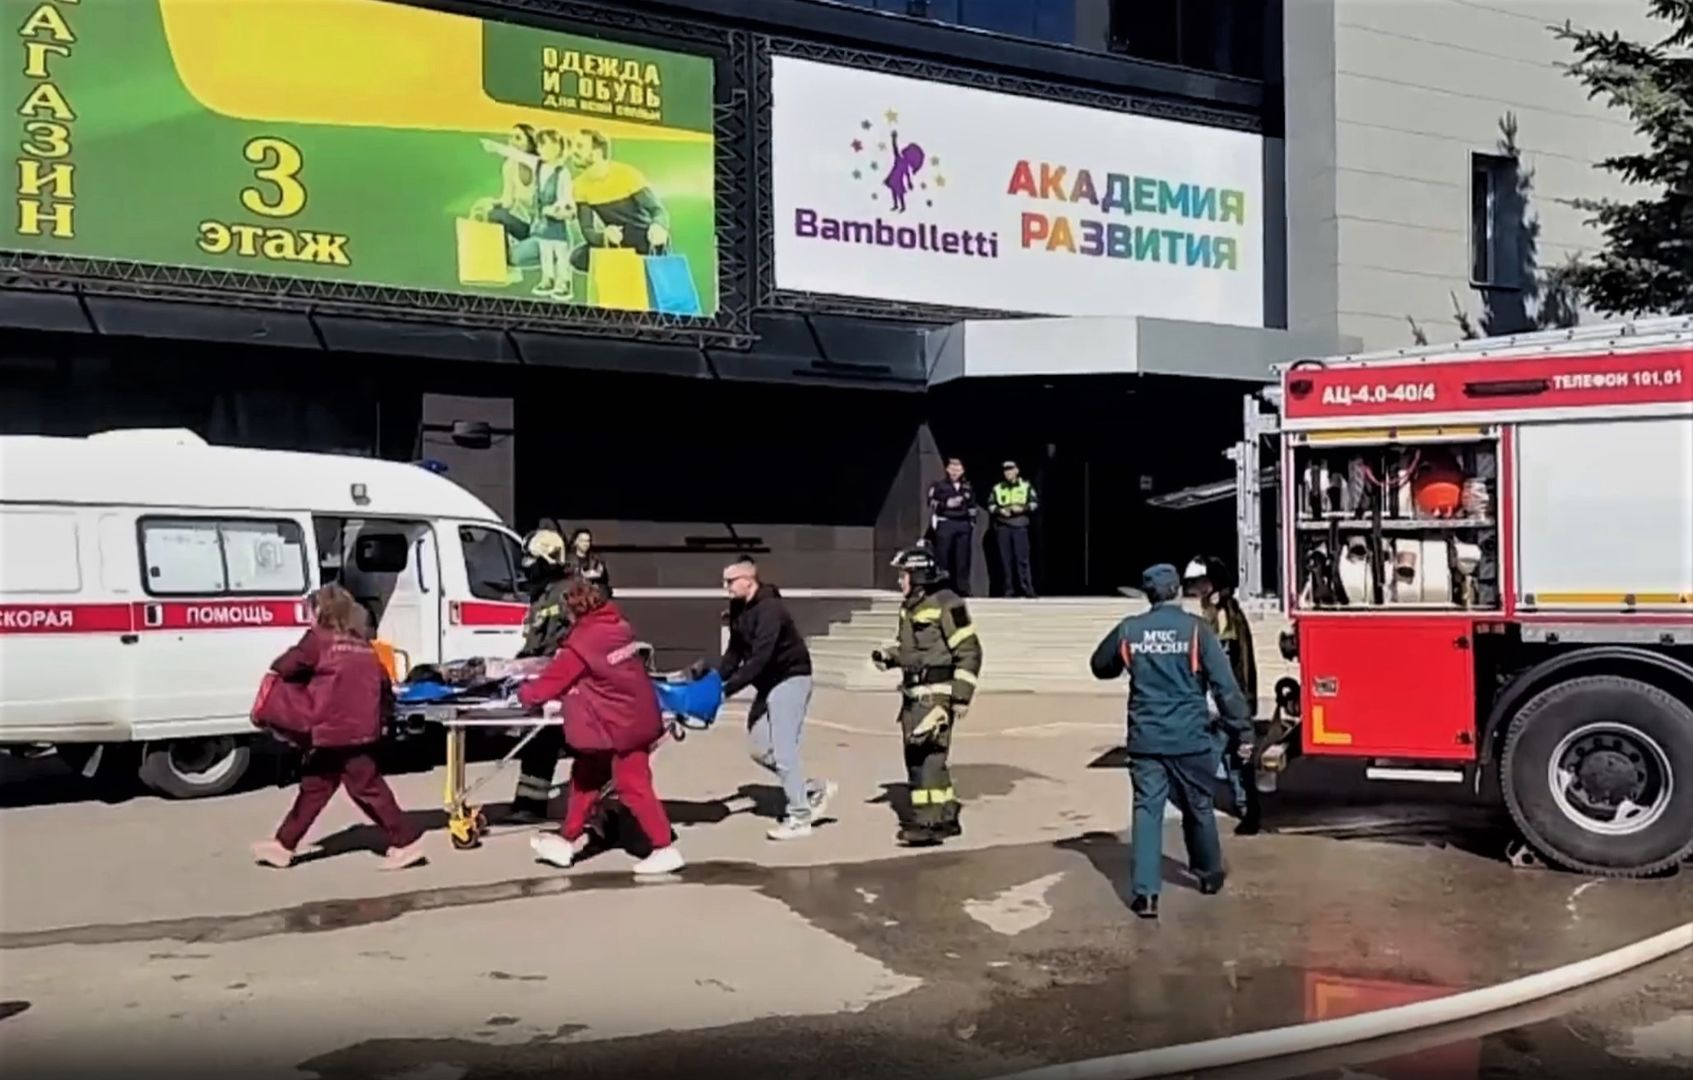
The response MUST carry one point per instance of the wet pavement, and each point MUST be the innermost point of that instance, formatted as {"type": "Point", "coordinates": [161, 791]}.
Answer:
{"type": "Point", "coordinates": [959, 963]}
{"type": "Point", "coordinates": [838, 958]}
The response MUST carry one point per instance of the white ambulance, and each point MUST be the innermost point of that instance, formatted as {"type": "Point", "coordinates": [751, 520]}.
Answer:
{"type": "Point", "coordinates": [147, 580]}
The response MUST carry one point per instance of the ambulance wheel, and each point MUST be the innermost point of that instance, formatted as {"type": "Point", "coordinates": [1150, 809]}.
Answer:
{"type": "Point", "coordinates": [194, 768]}
{"type": "Point", "coordinates": [1598, 775]}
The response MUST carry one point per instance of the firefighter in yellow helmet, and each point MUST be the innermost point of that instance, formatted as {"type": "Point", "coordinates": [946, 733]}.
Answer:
{"type": "Point", "coordinates": [940, 658]}
{"type": "Point", "coordinates": [547, 572]}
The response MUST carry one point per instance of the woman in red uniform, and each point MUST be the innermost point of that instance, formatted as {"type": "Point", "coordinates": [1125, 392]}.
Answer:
{"type": "Point", "coordinates": [611, 721]}
{"type": "Point", "coordinates": [332, 697]}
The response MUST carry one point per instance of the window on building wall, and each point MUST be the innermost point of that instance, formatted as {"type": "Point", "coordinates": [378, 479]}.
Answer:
{"type": "Point", "coordinates": [1495, 222]}
{"type": "Point", "coordinates": [1224, 36]}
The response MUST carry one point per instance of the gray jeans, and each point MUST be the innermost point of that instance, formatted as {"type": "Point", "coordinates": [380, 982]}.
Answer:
{"type": "Point", "coordinates": [774, 726]}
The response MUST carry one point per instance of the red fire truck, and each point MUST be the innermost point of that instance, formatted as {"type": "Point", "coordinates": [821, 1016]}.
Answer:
{"type": "Point", "coordinates": [1487, 560]}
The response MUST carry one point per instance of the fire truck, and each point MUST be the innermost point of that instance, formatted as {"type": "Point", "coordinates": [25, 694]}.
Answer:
{"type": "Point", "coordinates": [1487, 563]}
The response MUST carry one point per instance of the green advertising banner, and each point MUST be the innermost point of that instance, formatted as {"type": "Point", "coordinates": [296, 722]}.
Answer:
{"type": "Point", "coordinates": [363, 142]}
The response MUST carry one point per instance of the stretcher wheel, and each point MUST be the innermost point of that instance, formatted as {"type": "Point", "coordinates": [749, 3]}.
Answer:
{"type": "Point", "coordinates": [465, 830]}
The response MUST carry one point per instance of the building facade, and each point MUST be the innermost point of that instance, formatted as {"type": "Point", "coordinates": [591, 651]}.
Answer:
{"type": "Point", "coordinates": [713, 276]}
{"type": "Point", "coordinates": [1433, 150]}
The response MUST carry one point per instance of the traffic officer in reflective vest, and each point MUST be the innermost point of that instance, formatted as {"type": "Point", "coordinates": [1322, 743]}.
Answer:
{"type": "Point", "coordinates": [1010, 505]}
{"type": "Point", "coordinates": [940, 658]}
{"type": "Point", "coordinates": [1172, 659]}
{"type": "Point", "coordinates": [547, 572]}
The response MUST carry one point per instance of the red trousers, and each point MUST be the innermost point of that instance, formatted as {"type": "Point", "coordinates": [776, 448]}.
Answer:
{"type": "Point", "coordinates": [322, 772]}
{"type": "Point", "coordinates": [633, 775]}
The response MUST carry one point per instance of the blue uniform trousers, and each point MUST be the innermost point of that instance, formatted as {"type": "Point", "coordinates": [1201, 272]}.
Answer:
{"type": "Point", "coordinates": [1185, 780]}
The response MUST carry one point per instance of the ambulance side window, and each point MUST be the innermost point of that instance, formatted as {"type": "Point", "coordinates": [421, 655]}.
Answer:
{"type": "Point", "coordinates": [490, 561]}
{"type": "Point", "coordinates": [38, 553]}
{"type": "Point", "coordinates": [209, 557]}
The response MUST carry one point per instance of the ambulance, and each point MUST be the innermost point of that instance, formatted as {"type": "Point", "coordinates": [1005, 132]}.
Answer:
{"type": "Point", "coordinates": [148, 579]}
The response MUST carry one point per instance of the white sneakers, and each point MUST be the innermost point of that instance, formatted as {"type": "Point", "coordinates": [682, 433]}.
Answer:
{"type": "Point", "coordinates": [820, 799]}
{"type": "Point", "coordinates": [666, 860]}
{"type": "Point", "coordinates": [554, 849]}
{"type": "Point", "coordinates": [790, 829]}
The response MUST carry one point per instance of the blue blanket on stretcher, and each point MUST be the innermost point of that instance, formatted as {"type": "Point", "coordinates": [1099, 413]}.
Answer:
{"type": "Point", "coordinates": [694, 702]}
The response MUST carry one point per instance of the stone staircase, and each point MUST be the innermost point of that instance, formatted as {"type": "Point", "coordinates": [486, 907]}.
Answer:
{"type": "Point", "coordinates": [1030, 645]}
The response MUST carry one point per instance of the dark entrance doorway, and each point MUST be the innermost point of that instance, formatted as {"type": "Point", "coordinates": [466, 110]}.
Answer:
{"type": "Point", "coordinates": [1097, 448]}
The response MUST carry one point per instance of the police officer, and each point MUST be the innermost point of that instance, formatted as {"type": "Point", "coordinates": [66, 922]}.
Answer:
{"type": "Point", "coordinates": [1010, 505]}
{"type": "Point", "coordinates": [1172, 659]}
{"type": "Point", "coordinates": [940, 659]}
{"type": "Point", "coordinates": [547, 572]}
{"type": "Point", "coordinates": [952, 512]}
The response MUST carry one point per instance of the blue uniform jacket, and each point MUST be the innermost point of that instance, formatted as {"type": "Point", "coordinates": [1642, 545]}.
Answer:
{"type": "Point", "coordinates": [1172, 659]}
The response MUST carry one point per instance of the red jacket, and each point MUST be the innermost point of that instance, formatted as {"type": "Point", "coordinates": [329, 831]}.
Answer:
{"type": "Point", "coordinates": [334, 688]}
{"type": "Point", "coordinates": [609, 702]}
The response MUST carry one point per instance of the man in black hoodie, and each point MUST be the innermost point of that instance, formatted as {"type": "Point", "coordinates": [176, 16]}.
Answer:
{"type": "Point", "coordinates": [767, 653]}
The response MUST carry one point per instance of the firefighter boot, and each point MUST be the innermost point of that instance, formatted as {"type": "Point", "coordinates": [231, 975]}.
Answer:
{"type": "Point", "coordinates": [950, 826]}
{"type": "Point", "coordinates": [1145, 907]}
{"type": "Point", "coordinates": [915, 834]}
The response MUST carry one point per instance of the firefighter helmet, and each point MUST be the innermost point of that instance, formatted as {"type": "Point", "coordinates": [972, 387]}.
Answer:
{"type": "Point", "coordinates": [919, 562]}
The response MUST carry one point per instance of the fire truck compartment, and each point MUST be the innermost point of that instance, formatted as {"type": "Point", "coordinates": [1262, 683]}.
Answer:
{"type": "Point", "coordinates": [1401, 688]}
{"type": "Point", "coordinates": [1603, 519]}
{"type": "Point", "coordinates": [1396, 520]}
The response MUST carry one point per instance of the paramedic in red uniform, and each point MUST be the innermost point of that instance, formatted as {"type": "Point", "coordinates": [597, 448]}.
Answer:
{"type": "Point", "coordinates": [333, 696]}
{"type": "Point", "coordinates": [611, 721]}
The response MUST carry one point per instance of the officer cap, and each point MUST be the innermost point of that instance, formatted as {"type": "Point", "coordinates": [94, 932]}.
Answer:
{"type": "Point", "coordinates": [544, 546]}
{"type": "Point", "coordinates": [1008, 465]}
{"type": "Point", "coordinates": [1160, 583]}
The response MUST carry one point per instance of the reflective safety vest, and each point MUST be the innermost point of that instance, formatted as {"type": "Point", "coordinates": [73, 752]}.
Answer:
{"type": "Point", "coordinates": [1012, 494]}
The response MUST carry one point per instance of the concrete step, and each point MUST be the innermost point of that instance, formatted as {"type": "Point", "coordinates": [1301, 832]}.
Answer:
{"type": "Point", "coordinates": [1032, 646]}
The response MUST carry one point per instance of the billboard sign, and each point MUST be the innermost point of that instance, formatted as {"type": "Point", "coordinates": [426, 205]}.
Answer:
{"type": "Point", "coordinates": [917, 192]}
{"type": "Point", "coordinates": [363, 142]}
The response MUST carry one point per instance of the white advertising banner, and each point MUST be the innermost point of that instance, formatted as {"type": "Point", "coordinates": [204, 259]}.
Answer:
{"type": "Point", "coordinates": [899, 189]}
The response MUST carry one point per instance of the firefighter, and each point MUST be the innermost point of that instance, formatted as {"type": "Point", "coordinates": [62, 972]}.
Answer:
{"type": "Point", "coordinates": [547, 572]}
{"type": "Point", "coordinates": [1012, 502]}
{"type": "Point", "coordinates": [1212, 583]}
{"type": "Point", "coordinates": [1173, 659]}
{"type": "Point", "coordinates": [940, 658]}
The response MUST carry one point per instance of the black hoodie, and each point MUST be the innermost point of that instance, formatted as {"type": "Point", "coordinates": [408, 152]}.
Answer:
{"type": "Point", "coordinates": [765, 647]}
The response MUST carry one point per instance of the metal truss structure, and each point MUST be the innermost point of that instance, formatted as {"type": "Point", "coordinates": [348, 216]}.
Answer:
{"type": "Point", "coordinates": [744, 211]}
{"type": "Point", "coordinates": [731, 327]}
{"type": "Point", "coordinates": [766, 46]}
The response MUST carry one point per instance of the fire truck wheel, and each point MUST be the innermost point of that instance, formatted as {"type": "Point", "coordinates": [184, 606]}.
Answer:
{"type": "Point", "coordinates": [1598, 773]}
{"type": "Point", "coordinates": [194, 768]}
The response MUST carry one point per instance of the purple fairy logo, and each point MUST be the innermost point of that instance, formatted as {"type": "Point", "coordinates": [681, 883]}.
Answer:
{"type": "Point", "coordinates": [893, 169]}
{"type": "Point", "coordinates": [895, 173]}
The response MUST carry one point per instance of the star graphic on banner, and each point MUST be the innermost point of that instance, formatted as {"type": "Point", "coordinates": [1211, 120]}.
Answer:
{"type": "Point", "coordinates": [893, 117]}
{"type": "Point", "coordinates": [857, 145]}
{"type": "Point", "coordinates": [940, 181]}
{"type": "Point", "coordinates": [858, 174]}
{"type": "Point", "coordinates": [881, 146]}
{"type": "Point", "coordinates": [865, 124]}
{"type": "Point", "coordinates": [934, 162]}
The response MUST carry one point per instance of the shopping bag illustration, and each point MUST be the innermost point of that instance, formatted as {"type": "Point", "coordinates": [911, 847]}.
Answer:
{"type": "Point", "coordinates": [616, 279]}
{"type": "Point", "coordinates": [672, 285]}
{"type": "Point", "coordinates": [482, 253]}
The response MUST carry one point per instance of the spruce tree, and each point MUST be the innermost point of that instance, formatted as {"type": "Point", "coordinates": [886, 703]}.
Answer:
{"type": "Point", "coordinates": [1646, 265]}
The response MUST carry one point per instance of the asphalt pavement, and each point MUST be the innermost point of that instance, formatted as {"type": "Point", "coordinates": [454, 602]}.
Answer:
{"type": "Point", "coordinates": [137, 935]}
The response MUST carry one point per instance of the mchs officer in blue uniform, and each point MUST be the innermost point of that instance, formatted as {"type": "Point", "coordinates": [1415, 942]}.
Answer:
{"type": "Point", "coordinates": [1173, 659]}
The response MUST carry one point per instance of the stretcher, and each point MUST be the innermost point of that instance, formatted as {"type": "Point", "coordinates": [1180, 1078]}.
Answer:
{"type": "Point", "coordinates": [491, 703]}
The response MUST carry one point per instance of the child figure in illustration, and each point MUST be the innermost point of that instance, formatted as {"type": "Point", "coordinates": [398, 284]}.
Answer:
{"type": "Point", "coordinates": [554, 209]}
{"type": "Point", "coordinates": [907, 161]}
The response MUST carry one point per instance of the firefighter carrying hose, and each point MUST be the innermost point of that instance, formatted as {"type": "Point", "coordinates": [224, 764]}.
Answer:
{"type": "Point", "coordinates": [547, 572]}
{"type": "Point", "coordinates": [940, 659]}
